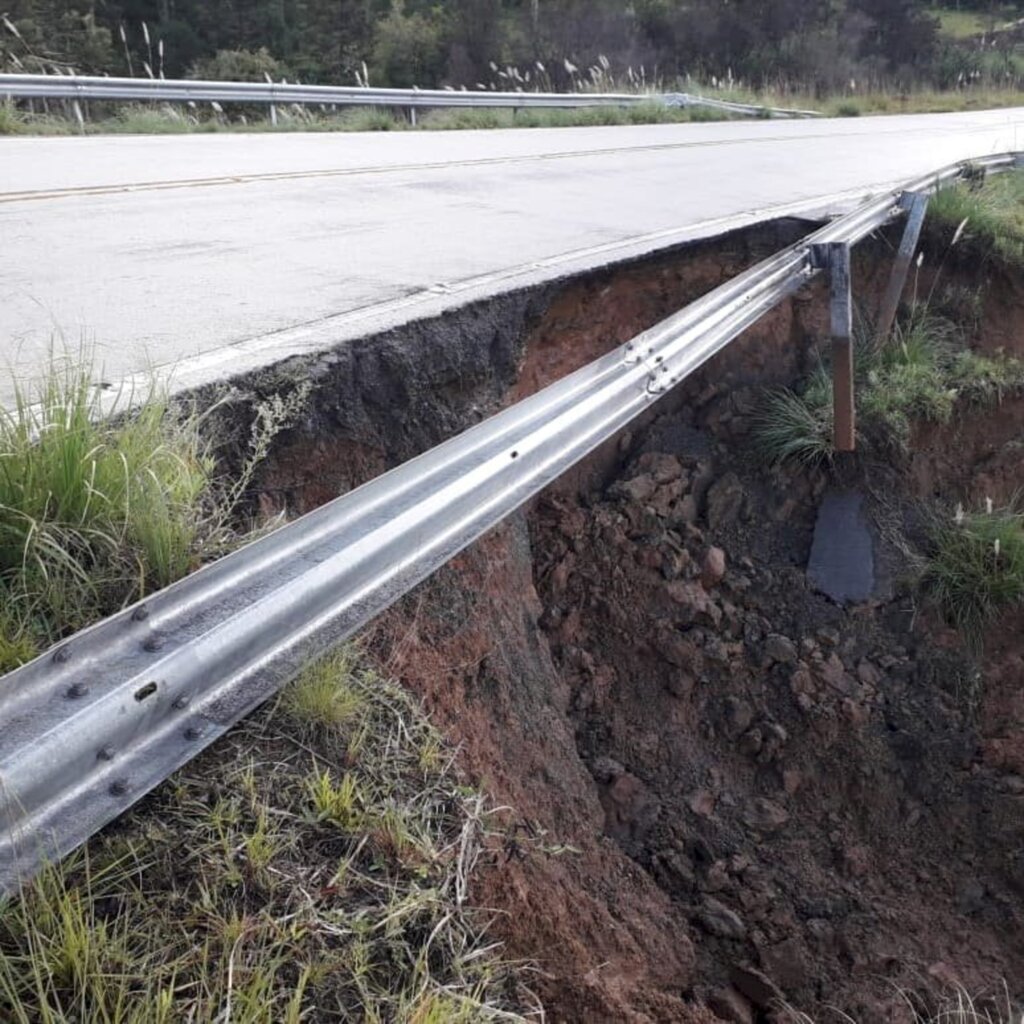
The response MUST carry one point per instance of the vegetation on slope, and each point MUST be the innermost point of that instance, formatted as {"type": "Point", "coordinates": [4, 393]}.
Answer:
{"type": "Point", "coordinates": [315, 864]}
{"type": "Point", "coordinates": [920, 372]}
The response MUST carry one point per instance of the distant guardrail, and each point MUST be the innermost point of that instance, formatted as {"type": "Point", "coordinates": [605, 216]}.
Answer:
{"type": "Point", "coordinates": [127, 90]}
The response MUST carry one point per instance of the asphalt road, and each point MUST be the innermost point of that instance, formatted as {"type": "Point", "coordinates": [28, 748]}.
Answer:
{"type": "Point", "coordinates": [211, 254]}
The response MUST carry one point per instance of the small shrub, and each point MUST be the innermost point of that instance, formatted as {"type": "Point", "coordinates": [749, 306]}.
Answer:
{"type": "Point", "coordinates": [848, 109]}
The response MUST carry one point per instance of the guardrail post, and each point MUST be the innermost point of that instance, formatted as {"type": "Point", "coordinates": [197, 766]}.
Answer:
{"type": "Point", "coordinates": [273, 114]}
{"type": "Point", "coordinates": [841, 307]}
{"type": "Point", "coordinates": [917, 203]}
{"type": "Point", "coordinates": [412, 116]}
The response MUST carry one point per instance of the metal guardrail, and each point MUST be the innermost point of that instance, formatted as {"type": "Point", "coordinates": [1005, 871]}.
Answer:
{"type": "Point", "coordinates": [91, 726]}
{"type": "Point", "coordinates": [85, 87]}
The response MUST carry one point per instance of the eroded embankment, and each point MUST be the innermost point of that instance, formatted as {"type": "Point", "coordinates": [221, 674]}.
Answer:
{"type": "Point", "coordinates": [725, 789]}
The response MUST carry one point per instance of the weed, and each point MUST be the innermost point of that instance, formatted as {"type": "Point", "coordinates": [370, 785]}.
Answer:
{"type": "Point", "coordinates": [976, 567]}
{"type": "Point", "coordinates": [790, 428]}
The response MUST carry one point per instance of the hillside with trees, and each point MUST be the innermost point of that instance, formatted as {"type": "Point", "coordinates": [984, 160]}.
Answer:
{"type": "Point", "coordinates": [827, 45]}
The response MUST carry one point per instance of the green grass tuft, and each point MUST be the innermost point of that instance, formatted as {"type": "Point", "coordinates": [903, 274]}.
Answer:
{"type": "Point", "coordinates": [987, 217]}
{"type": "Point", "coordinates": [919, 373]}
{"type": "Point", "coordinates": [94, 511]}
{"type": "Point", "coordinates": [976, 569]}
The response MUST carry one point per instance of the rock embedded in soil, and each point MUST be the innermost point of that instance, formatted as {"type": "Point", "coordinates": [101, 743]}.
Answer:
{"type": "Point", "coordinates": [730, 1006]}
{"type": "Point", "coordinates": [718, 919]}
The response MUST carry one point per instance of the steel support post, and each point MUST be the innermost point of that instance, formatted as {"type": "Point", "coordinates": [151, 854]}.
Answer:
{"type": "Point", "coordinates": [841, 307]}
{"type": "Point", "coordinates": [917, 204]}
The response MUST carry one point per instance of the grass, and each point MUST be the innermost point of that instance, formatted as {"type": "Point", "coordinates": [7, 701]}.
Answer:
{"type": "Point", "coordinates": [103, 499]}
{"type": "Point", "coordinates": [325, 877]}
{"type": "Point", "coordinates": [975, 570]}
{"type": "Point", "coordinates": [989, 215]}
{"type": "Point", "coordinates": [869, 101]}
{"type": "Point", "coordinates": [94, 512]}
{"type": "Point", "coordinates": [921, 372]}
{"type": "Point", "coordinates": [958, 1006]}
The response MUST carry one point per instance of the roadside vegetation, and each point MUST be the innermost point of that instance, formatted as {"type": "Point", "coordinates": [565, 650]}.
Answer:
{"type": "Point", "coordinates": [169, 120]}
{"type": "Point", "coordinates": [921, 372]}
{"type": "Point", "coordinates": [975, 569]}
{"type": "Point", "coordinates": [326, 873]}
{"type": "Point", "coordinates": [956, 1007]}
{"type": "Point", "coordinates": [105, 497]}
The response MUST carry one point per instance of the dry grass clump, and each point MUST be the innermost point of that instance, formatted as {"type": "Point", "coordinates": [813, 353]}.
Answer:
{"type": "Point", "coordinates": [310, 866]}
{"type": "Point", "coordinates": [989, 215]}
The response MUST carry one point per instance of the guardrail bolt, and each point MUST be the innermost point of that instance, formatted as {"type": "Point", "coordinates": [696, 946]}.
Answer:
{"type": "Point", "coordinates": [194, 732]}
{"type": "Point", "coordinates": [105, 754]}
{"type": "Point", "coordinates": [140, 614]}
{"type": "Point", "coordinates": [181, 701]}
{"type": "Point", "coordinates": [119, 787]}
{"type": "Point", "coordinates": [76, 690]}
{"type": "Point", "coordinates": [62, 656]}
{"type": "Point", "coordinates": [153, 643]}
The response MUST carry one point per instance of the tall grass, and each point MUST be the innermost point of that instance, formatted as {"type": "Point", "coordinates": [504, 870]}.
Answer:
{"type": "Point", "coordinates": [106, 496]}
{"type": "Point", "coordinates": [95, 510]}
{"type": "Point", "coordinates": [976, 568]}
{"type": "Point", "coordinates": [990, 215]}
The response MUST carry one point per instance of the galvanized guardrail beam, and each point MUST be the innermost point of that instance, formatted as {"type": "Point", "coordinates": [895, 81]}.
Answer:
{"type": "Point", "coordinates": [96, 88]}
{"type": "Point", "coordinates": [89, 727]}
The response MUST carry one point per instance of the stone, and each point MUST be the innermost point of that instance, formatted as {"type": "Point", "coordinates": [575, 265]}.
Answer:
{"type": "Point", "coordinates": [694, 602]}
{"type": "Point", "coordinates": [702, 803]}
{"type": "Point", "coordinates": [781, 649]}
{"type": "Point", "coordinates": [712, 568]}
{"type": "Point", "coordinates": [726, 500]}
{"type": "Point", "coordinates": [674, 870]}
{"type": "Point", "coordinates": [686, 510]}
{"type": "Point", "coordinates": [868, 674]}
{"type": "Point", "coordinates": [729, 1005]}
{"type": "Point", "coordinates": [785, 963]}
{"type": "Point", "coordinates": [756, 986]}
{"type": "Point", "coordinates": [717, 919]}
{"type": "Point", "coordinates": [766, 816]}
{"type": "Point", "coordinates": [606, 769]}
{"type": "Point", "coordinates": [676, 650]}
{"type": "Point", "coordinates": [630, 808]}
{"type": "Point", "coordinates": [680, 684]}
{"type": "Point", "coordinates": [639, 489]}
{"type": "Point", "coordinates": [664, 468]}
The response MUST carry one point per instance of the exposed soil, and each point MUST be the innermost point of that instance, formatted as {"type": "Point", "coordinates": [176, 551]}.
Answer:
{"type": "Point", "coordinates": [724, 789]}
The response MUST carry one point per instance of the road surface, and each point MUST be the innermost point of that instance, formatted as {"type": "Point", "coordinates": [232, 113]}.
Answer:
{"type": "Point", "coordinates": [213, 254]}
